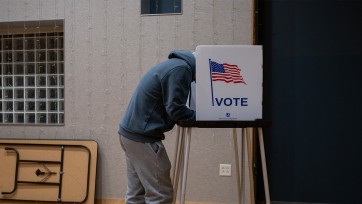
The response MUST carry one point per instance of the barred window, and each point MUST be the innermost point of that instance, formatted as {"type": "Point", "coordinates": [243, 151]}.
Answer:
{"type": "Point", "coordinates": [156, 7]}
{"type": "Point", "coordinates": [32, 78]}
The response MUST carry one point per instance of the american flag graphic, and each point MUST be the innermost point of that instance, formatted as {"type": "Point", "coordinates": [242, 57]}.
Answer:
{"type": "Point", "coordinates": [226, 72]}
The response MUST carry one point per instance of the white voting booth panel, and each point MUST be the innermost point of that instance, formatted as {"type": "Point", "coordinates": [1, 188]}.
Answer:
{"type": "Point", "coordinates": [228, 95]}
{"type": "Point", "coordinates": [228, 82]}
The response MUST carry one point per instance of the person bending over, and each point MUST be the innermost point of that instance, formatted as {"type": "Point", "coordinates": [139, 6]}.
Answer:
{"type": "Point", "coordinates": [158, 102]}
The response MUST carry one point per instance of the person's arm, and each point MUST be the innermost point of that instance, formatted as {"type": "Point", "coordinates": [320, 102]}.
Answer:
{"type": "Point", "coordinates": [175, 87]}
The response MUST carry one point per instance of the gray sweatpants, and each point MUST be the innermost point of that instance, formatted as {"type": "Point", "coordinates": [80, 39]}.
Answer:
{"type": "Point", "coordinates": [148, 172]}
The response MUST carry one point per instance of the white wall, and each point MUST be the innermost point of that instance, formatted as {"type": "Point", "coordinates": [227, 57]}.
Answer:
{"type": "Point", "coordinates": [108, 47]}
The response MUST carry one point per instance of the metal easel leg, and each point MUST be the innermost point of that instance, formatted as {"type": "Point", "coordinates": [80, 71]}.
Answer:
{"type": "Point", "coordinates": [178, 159]}
{"type": "Point", "coordinates": [185, 165]}
{"type": "Point", "coordinates": [237, 165]}
{"type": "Point", "coordinates": [263, 163]}
{"type": "Point", "coordinates": [175, 156]}
{"type": "Point", "coordinates": [249, 142]}
{"type": "Point", "coordinates": [242, 160]}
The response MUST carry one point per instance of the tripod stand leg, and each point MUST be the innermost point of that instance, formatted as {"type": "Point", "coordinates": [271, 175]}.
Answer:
{"type": "Point", "coordinates": [263, 163]}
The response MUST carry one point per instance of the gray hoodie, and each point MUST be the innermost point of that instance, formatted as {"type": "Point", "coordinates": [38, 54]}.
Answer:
{"type": "Point", "coordinates": [159, 100]}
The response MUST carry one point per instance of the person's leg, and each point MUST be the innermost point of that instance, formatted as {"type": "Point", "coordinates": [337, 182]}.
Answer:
{"type": "Point", "coordinates": [157, 182]}
{"type": "Point", "coordinates": [152, 166]}
{"type": "Point", "coordinates": [135, 192]}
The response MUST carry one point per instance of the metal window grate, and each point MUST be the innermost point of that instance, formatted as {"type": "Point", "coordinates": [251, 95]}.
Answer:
{"type": "Point", "coordinates": [161, 7]}
{"type": "Point", "coordinates": [32, 78]}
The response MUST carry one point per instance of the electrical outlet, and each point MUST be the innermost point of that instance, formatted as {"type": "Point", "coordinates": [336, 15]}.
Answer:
{"type": "Point", "coordinates": [225, 170]}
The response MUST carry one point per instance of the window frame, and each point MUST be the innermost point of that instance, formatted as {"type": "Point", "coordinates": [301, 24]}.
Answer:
{"type": "Point", "coordinates": [32, 88]}
{"type": "Point", "coordinates": [161, 14]}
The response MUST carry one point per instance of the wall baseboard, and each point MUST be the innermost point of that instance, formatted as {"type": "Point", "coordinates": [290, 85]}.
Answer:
{"type": "Point", "coordinates": [121, 201]}
{"type": "Point", "coordinates": [285, 202]}
{"type": "Point", "coordinates": [109, 201]}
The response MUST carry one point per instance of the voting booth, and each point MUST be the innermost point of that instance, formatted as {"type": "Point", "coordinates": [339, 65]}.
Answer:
{"type": "Point", "coordinates": [228, 82]}
{"type": "Point", "coordinates": [229, 90]}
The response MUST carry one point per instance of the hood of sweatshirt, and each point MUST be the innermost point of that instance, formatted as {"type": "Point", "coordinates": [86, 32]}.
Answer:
{"type": "Point", "coordinates": [188, 57]}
